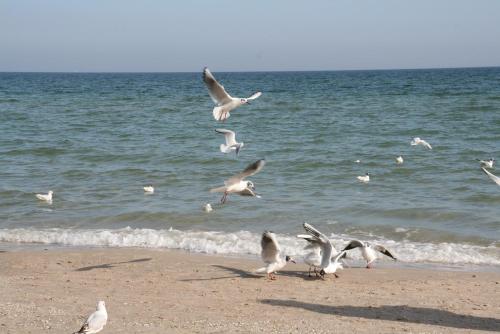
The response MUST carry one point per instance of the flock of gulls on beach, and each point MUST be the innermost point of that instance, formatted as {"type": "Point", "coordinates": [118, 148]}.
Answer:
{"type": "Point", "coordinates": [322, 258]}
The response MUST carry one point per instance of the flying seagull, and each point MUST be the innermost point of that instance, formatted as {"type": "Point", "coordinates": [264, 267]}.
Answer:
{"type": "Point", "coordinates": [368, 251]}
{"type": "Point", "coordinates": [224, 102]}
{"type": "Point", "coordinates": [313, 258]}
{"type": "Point", "coordinates": [231, 143]}
{"type": "Point", "coordinates": [238, 185]}
{"type": "Point", "coordinates": [329, 263]}
{"type": "Point", "coordinates": [96, 321]}
{"type": "Point", "coordinates": [271, 255]}
{"type": "Point", "coordinates": [45, 197]}
{"type": "Point", "coordinates": [418, 141]}
{"type": "Point", "coordinates": [365, 178]}
{"type": "Point", "coordinates": [487, 163]}
{"type": "Point", "coordinates": [495, 178]}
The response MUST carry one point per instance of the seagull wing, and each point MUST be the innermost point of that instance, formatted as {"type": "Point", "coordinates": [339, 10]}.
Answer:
{"type": "Point", "coordinates": [96, 320]}
{"type": "Point", "coordinates": [254, 96]}
{"type": "Point", "coordinates": [270, 248]}
{"type": "Point", "coordinates": [215, 89]}
{"type": "Point", "coordinates": [251, 169]}
{"type": "Point", "coordinates": [426, 144]}
{"type": "Point", "coordinates": [340, 255]}
{"type": "Point", "coordinates": [384, 251]}
{"type": "Point", "coordinates": [313, 242]}
{"type": "Point", "coordinates": [495, 178]}
{"type": "Point", "coordinates": [353, 244]}
{"type": "Point", "coordinates": [326, 245]}
{"type": "Point", "coordinates": [229, 135]}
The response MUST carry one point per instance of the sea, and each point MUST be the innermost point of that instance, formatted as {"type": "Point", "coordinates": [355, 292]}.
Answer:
{"type": "Point", "coordinates": [96, 139]}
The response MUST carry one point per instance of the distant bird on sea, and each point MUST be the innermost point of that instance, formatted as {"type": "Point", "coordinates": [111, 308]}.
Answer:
{"type": "Point", "coordinates": [399, 160]}
{"type": "Point", "coordinates": [45, 197]}
{"type": "Point", "coordinates": [329, 263]}
{"type": "Point", "coordinates": [487, 163]}
{"type": "Point", "coordinates": [357, 161]}
{"type": "Point", "coordinates": [238, 185]}
{"type": "Point", "coordinates": [271, 255]}
{"type": "Point", "coordinates": [96, 321]}
{"type": "Point", "coordinates": [207, 208]}
{"type": "Point", "coordinates": [225, 102]}
{"type": "Point", "coordinates": [231, 143]}
{"type": "Point", "coordinates": [368, 251]}
{"type": "Point", "coordinates": [149, 189]}
{"type": "Point", "coordinates": [494, 178]}
{"type": "Point", "coordinates": [418, 141]}
{"type": "Point", "coordinates": [365, 178]}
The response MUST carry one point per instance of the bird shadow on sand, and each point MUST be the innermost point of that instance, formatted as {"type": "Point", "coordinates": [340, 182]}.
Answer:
{"type": "Point", "coordinates": [399, 313]}
{"type": "Point", "coordinates": [111, 265]}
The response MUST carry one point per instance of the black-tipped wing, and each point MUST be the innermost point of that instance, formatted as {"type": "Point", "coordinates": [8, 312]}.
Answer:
{"type": "Point", "coordinates": [215, 89]}
{"type": "Point", "coordinates": [270, 248]}
{"type": "Point", "coordinates": [353, 244]}
{"type": "Point", "coordinates": [384, 251]}
{"type": "Point", "coordinates": [229, 135]}
{"type": "Point", "coordinates": [84, 329]}
{"type": "Point", "coordinates": [251, 169]}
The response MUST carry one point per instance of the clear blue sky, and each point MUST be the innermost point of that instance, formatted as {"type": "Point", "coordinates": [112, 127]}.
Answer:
{"type": "Point", "coordinates": [231, 35]}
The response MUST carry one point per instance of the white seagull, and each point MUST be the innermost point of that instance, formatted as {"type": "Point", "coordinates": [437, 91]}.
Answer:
{"type": "Point", "coordinates": [495, 178]}
{"type": "Point", "coordinates": [149, 189]}
{"type": "Point", "coordinates": [271, 255]}
{"type": "Point", "coordinates": [364, 178]}
{"type": "Point", "coordinates": [231, 143]}
{"type": "Point", "coordinates": [225, 102]}
{"type": "Point", "coordinates": [313, 258]}
{"type": "Point", "coordinates": [368, 251]}
{"type": "Point", "coordinates": [207, 208]}
{"type": "Point", "coordinates": [399, 160]}
{"type": "Point", "coordinates": [487, 163]}
{"type": "Point", "coordinates": [45, 197]}
{"type": "Point", "coordinates": [238, 185]}
{"type": "Point", "coordinates": [418, 141]}
{"type": "Point", "coordinates": [96, 321]}
{"type": "Point", "coordinates": [328, 264]}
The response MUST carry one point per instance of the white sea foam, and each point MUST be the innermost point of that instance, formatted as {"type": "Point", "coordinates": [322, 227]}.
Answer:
{"type": "Point", "coordinates": [244, 243]}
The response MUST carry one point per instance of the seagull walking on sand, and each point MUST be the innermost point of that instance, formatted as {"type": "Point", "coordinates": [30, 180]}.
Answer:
{"type": "Point", "coordinates": [149, 189]}
{"type": "Point", "coordinates": [494, 178]}
{"type": "Point", "coordinates": [418, 141]}
{"type": "Point", "coordinates": [238, 185]}
{"type": "Point", "coordinates": [45, 197]}
{"type": "Point", "coordinates": [330, 262]}
{"type": "Point", "coordinates": [365, 178]}
{"type": "Point", "coordinates": [368, 251]}
{"type": "Point", "coordinates": [271, 255]}
{"type": "Point", "coordinates": [231, 143]}
{"type": "Point", "coordinates": [487, 163]}
{"type": "Point", "coordinates": [399, 160]}
{"type": "Point", "coordinates": [96, 321]}
{"type": "Point", "coordinates": [224, 102]}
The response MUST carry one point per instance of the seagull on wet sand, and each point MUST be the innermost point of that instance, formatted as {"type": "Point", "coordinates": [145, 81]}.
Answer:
{"type": "Point", "coordinates": [487, 163]}
{"type": "Point", "coordinates": [365, 178]}
{"type": "Point", "coordinates": [238, 185]}
{"type": "Point", "coordinates": [231, 143]}
{"type": "Point", "coordinates": [96, 321]}
{"type": "Point", "coordinates": [329, 261]}
{"type": "Point", "coordinates": [418, 141]}
{"type": "Point", "coordinates": [225, 102]}
{"type": "Point", "coordinates": [271, 255]}
{"type": "Point", "coordinates": [368, 251]}
{"type": "Point", "coordinates": [45, 197]}
{"type": "Point", "coordinates": [313, 258]}
{"type": "Point", "coordinates": [399, 160]}
{"type": "Point", "coordinates": [494, 178]}
{"type": "Point", "coordinates": [149, 189]}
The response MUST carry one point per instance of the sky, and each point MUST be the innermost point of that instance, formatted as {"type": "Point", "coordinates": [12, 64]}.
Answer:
{"type": "Point", "coordinates": [257, 35]}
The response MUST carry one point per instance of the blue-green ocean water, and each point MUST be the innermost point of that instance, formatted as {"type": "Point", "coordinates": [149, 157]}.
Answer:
{"type": "Point", "coordinates": [97, 139]}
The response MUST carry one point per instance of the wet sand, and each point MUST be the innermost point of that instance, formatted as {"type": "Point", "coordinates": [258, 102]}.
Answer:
{"type": "Point", "coordinates": [158, 291]}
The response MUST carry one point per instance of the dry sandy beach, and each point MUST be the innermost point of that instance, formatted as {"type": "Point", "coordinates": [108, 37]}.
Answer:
{"type": "Point", "coordinates": [157, 291]}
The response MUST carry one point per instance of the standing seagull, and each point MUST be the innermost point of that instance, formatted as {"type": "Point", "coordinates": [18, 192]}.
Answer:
{"type": "Point", "coordinates": [328, 264]}
{"type": "Point", "coordinates": [225, 102]}
{"type": "Point", "coordinates": [487, 163]}
{"type": "Point", "coordinates": [368, 251]}
{"type": "Point", "coordinates": [418, 141]}
{"type": "Point", "coordinates": [237, 183]}
{"type": "Point", "coordinates": [231, 143]}
{"type": "Point", "coordinates": [45, 197]}
{"type": "Point", "coordinates": [271, 255]}
{"type": "Point", "coordinates": [399, 160]}
{"type": "Point", "coordinates": [313, 258]}
{"type": "Point", "coordinates": [96, 321]}
{"type": "Point", "coordinates": [495, 178]}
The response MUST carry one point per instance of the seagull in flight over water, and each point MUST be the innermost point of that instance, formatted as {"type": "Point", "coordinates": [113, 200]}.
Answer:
{"type": "Point", "coordinates": [231, 143]}
{"type": "Point", "coordinates": [238, 185]}
{"type": "Point", "coordinates": [96, 321]}
{"type": "Point", "coordinates": [224, 102]}
{"type": "Point", "coordinates": [271, 255]}
{"type": "Point", "coordinates": [418, 141]}
{"type": "Point", "coordinates": [368, 251]}
{"type": "Point", "coordinates": [494, 178]}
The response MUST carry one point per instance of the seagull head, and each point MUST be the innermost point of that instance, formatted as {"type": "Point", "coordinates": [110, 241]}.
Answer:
{"type": "Point", "coordinates": [244, 101]}
{"type": "Point", "coordinates": [101, 305]}
{"type": "Point", "coordinates": [50, 192]}
{"type": "Point", "coordinates": [250, 185]}
{"type": "Point", "coordinates": [289, 259]}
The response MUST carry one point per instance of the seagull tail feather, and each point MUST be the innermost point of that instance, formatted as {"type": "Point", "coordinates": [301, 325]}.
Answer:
{"type": "Point", "coordinates": [260, 270]}
{"type": "Point", "coordinates": [224, 148]}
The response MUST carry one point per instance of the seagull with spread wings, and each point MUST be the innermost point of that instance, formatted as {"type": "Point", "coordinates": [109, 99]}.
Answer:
{"type": "Point", "coordinates": [271, 255]}
{"type": "Point", "coordinates": [238, 185]}
{"type": "Point", "coordinates": [231, 143]}
{"type": "Point", "coordinates": [224, 102]}
{"type": "Point", "coordinates": [368, 251]}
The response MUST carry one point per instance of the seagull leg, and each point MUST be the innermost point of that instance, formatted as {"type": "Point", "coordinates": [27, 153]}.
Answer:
{"type": "Point", "coordinates": [224, 197]}
{"type": "Point", "coordinates": [336, 276]}
{"type": "Point", "coordinates": [369, 266]}
{"type": "Point", "coordinates": [309, 275]}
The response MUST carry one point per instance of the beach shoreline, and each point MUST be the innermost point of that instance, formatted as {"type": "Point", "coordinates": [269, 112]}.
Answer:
{"type": "Point", "coordinates": [159, 290]}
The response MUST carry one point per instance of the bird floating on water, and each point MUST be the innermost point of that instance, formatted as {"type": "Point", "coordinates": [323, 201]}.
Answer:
{"type": "Point", "coordinates": [149, 189]}
{"type": "Point", "coordinates": [399, 160]}
{"type": "Point", "coordinates": [207, 208]}
{"type": "Point", "coordinates": [45, 197]}
{"type": "Point", "coordinates": [365, 178]}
